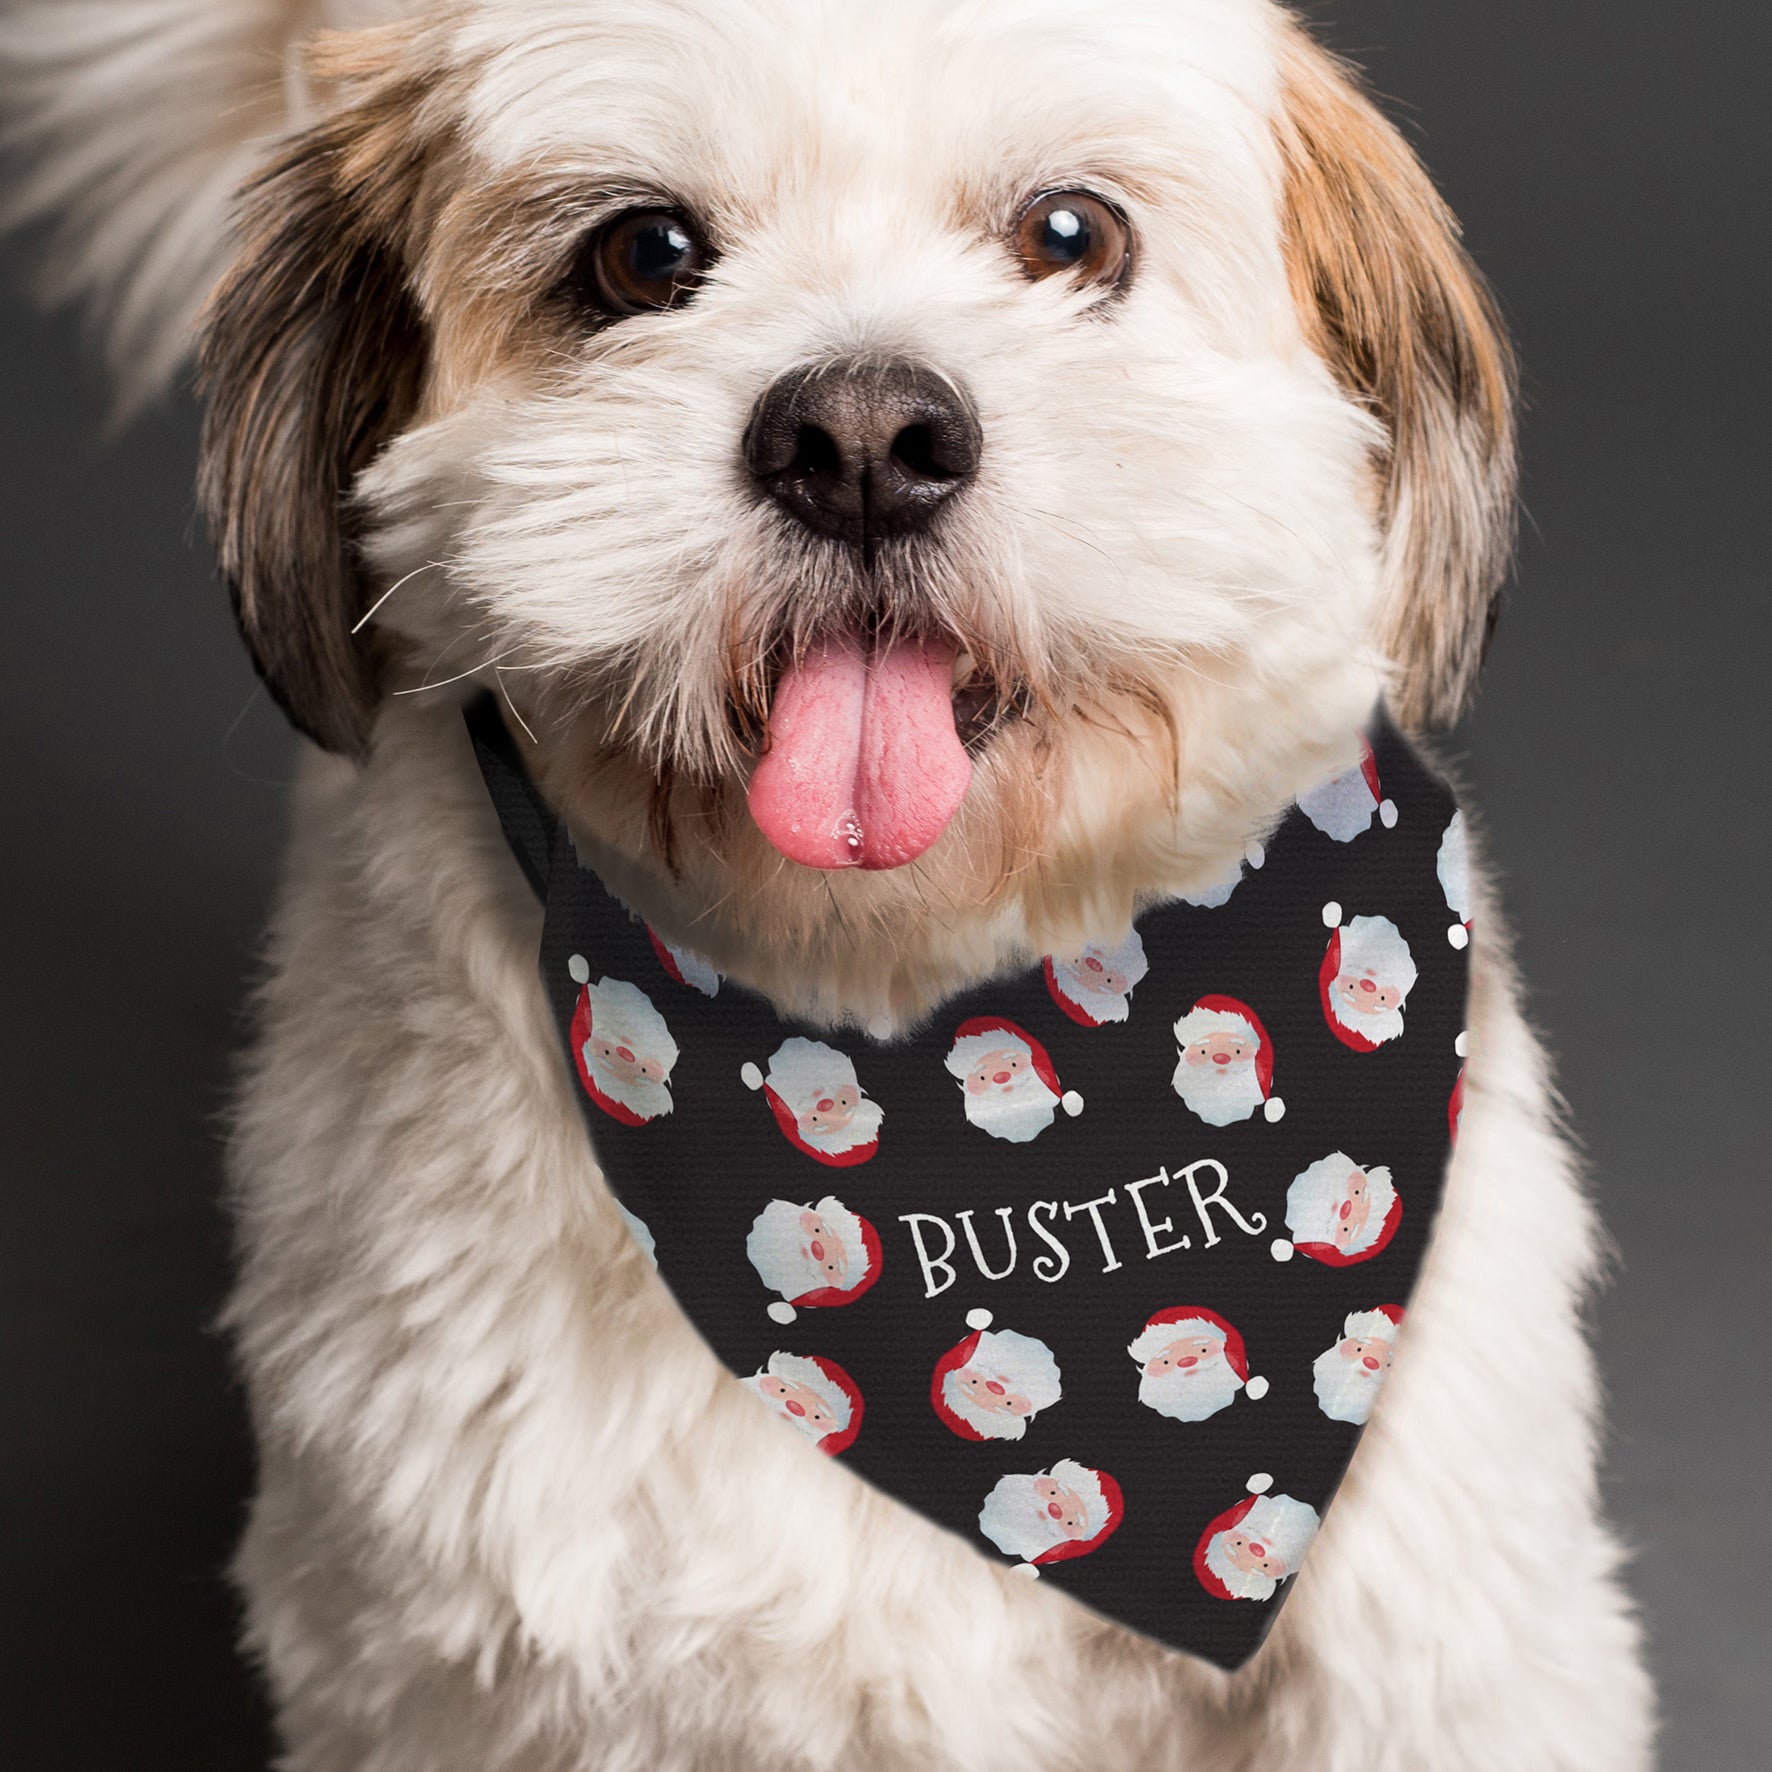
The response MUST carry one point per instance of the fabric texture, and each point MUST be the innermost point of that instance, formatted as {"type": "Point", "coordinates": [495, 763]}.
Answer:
{"type": "Point", "coordinates": [1104, 1267]}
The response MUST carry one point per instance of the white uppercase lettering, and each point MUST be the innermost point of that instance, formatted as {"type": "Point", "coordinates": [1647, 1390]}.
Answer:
{"type": "Point", "coordinates": [1250, 1227]}
{"type": "Point", "coordinates": [1153, 1231]}
{"type": "Point", "coordinates": [1043, 1262]}
{"type": "Point", "coordinates": [932, 1265]}
{"type": "Point", "coordinates": [1004, 1213]}
{"type": "Point", "coordinates": [1093, 1208]}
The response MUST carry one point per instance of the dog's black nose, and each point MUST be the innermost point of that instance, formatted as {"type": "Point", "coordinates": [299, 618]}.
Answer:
{"type": "Point", "coordinates": [863, 451]}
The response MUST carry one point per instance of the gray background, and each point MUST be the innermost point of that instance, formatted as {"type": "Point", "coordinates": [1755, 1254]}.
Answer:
{"type": "Point", "coordinates": [1611, 167]}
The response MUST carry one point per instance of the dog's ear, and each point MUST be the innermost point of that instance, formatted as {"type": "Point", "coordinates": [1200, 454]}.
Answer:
{"type": "Point", "coordinates": [1391, 301]}
{"type": "Point", "coordinates": [312, 355]}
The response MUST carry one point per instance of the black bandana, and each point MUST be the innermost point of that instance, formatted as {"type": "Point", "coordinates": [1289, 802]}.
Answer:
{"type": "Point", "coordinates": [1104, 1267]}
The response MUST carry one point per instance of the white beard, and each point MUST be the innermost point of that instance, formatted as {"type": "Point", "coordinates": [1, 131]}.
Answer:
{"type": "Point", "coordinates": [1378, 1026]}
{"type": "Point", "coordinates": [1345, 1390]}
{"type": "Point", "coordinates": [1016, 1522]}
{"type": "Point", "coordinates": [863, 1128]}
{"type": "Point", "coordinates": [1341, 808]}
{"type": "Point", "coordinates": [1220, 1094]}
{"type": "Point", "coordinates": [1017, 1116]}
{"type": "Point", "coordinates": [648, 1100]}
{"type": "Point", "coordinates": [1192, 1395]}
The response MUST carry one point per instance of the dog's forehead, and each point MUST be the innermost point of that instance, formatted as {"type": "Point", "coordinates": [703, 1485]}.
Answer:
{"type": "Point", "coordinates": [757, 96]}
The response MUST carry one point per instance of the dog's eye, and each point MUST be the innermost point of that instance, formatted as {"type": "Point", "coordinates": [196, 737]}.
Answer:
{"type": "Point", "coordinates": [1070, 233]}
{"type": "Point", "coordinates": [642, 261]}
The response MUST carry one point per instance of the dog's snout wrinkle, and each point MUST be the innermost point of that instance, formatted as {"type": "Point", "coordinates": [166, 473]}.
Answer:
{"type": "Point", "coordinates": [863, 452]}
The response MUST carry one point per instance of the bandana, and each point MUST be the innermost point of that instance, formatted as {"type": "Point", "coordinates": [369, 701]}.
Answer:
{"type": "Point", "coordinates": [1104, 1268]}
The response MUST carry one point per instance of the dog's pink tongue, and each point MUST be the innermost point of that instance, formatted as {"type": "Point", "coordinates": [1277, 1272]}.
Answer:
{"type": "Point", "coordinates": [864, 767]}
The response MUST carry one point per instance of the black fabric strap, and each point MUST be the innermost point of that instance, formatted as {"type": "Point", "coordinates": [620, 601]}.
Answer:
{"type": "Point", "coordinates": [528, 823]}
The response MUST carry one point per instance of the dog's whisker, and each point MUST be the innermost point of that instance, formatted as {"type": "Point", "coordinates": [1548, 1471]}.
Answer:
{"type": "Point", "coordinates": [369, 614]}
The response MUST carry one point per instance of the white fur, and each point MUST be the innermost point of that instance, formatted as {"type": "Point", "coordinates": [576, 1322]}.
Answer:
{"type": "Point", "coordinates": [512, 1515]}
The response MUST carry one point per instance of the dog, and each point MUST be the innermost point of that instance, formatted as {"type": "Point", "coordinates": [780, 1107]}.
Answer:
{"type": "Point", "coordinates": [511, 348]}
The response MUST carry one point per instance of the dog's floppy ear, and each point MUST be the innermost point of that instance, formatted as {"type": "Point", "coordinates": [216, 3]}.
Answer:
{"type": "Point", "coordinates": [312, 355]}
{"type": "Point", "coordinates": [1392, 302]}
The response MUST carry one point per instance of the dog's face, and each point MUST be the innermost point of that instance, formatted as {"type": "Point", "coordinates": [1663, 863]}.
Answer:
{"type": "Point", "coordinates": [1025, 426]}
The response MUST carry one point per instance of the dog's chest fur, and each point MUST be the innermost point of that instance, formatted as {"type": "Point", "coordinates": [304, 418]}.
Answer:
{"type": "Point", "coordinates": [514, 1514]}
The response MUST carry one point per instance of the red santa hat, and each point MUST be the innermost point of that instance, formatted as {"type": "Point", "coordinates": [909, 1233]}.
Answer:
{"type": "Point", "coordinates": [1381, 1323]}
{"type": "Point", "coordinates": [980, 1034]}
{"type": "Point", "coordinates": [1226, 1015]}
{"type": "Point", "coordinates": [1387, 809]}
{"type": "Point", "coordinates": [685, 965]}
{"type": "Point", "coordinates": [1190, 1319]}
{"type": "Point", "coordinates": [1455, 1107]}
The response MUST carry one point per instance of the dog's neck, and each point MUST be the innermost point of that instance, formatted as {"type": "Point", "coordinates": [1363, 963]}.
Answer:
{"type": "Point", "coordinates": [1066, 847]}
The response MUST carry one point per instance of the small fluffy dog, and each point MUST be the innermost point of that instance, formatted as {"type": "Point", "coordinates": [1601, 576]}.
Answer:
{"type": "Point", "coordinates": [1168, 427]}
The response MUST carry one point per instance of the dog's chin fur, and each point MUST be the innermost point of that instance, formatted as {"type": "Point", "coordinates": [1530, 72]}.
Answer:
{"type": "Point", "coordinates": [512, 1515]}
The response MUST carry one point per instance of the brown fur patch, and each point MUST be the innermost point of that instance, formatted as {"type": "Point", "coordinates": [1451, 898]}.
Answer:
{"type": "Point", "coordinates": [312, 355]}
{"type": "Point", "coordinates": [1392, 302]}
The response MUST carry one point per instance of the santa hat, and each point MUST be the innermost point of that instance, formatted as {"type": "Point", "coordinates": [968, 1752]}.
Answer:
{"type": "Point", "coordinates": [1225, 1015]}
{"type": "Point", "coordinates": [1028, 1360]}
{"type": "Point", "coordinates": [685, 965]}
{"type": "Point", "coordinates": [1387, 809]}
{"type": "Point", "coordinates": [1103, 1509]}
{"type": "Point", "coordinates": [1182, 1322]}
{"type": "Point", "coordinates": [801, 1073]}
{"type": "Point", "coordinates": [1354, 946]}
{"type": "Point", "coordinates": [833, 1387]}
{"type": "Point", "coordinates": [1313, 1201]}
{"type": "Point", "coordinates": [1455, 1107]}
{"type": "Point", "coordinates": [990, 1033]}
{"type": "Point", "coordinates": [1285, 1525]}
{"type": "Point", "coordinates": [625, 1008]}
{"type": "Point", "coordinates": [1379, 1324]}
{"type": "Point", "coordinates": [1453, 866]}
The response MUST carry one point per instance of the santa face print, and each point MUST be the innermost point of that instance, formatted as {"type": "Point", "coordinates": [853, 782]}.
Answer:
{"type": "Point", "coordinates": [993, 1384]}
{"type": "Point", "coordinates": [818, 1102]}
{"type": "Point", "coordinates": [1365, 981]}
{"type": "Point", "coordinates": [1005, 1080]}
{"type": "Point", "coordinates": [1348, 1376]}
{"type": "Point", "coordinates": [814, 1396]}
{"type": "Point", "coordinates": [623, 1049]}
{"type": "Point", "coordinates": [1223, 1067]}
{"type": "Point", "coordinates": [1047, 1516]}
{"type": "Point", "coordinates": [1340, 1213]}
{"type": "Point", "coordinates": [1191, 1364]}
{"type": "Point", "coordinates": [1246, 1553]}
{"type": "Point", "coordinates": [1094, 987]}
{"type": "Point", "coordinates": [819, 1255]}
